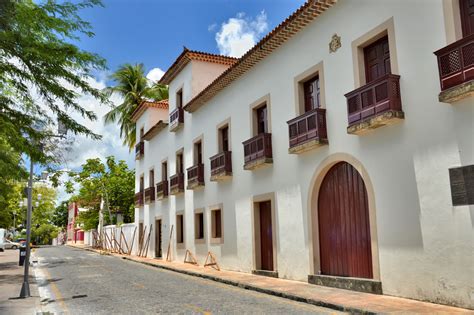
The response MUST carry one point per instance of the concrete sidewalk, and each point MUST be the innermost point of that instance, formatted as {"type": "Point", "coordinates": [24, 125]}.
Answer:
{"type": "Point", "coordinates": [11, 279]}
{"type": "Point", "coordinates": [338, 299]}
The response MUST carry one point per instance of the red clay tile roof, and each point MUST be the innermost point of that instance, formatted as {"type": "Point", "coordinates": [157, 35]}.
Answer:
{"type": "Point", "coordinates": [188, 55]}
{"type": "Point", "coordinates": [163, 104]}
{"type": "Point", "coordinates": [307, 13]}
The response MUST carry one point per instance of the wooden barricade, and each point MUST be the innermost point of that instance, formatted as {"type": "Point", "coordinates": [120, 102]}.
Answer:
{"type": "Point", "coordinates": [189, 258]}
{"type": "Point", "coordinates": [212, 261]}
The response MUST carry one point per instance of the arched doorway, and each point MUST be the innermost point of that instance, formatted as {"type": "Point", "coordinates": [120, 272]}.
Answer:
{"type": "Point", "coordinates": [344, 228]}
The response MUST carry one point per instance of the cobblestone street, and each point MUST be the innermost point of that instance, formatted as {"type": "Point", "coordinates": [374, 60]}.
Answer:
{"type": "Point", "coordinates": [79, 281]}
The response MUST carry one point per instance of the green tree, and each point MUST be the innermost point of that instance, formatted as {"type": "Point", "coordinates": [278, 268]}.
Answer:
{"type": "Point", "coordinates": [42, 72]}
{"type": "Point", "coordinates": [88, 220]}
{"type": "Point", "coordinates": [111, 182]}
{"type": "Point", "coordinates": [60, 215]}
{"type": "Point", "coordinates": [133, 87]}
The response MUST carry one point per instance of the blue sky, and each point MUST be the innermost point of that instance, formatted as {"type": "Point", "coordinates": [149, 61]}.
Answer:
{"type": "Point", "coordinates": [154, 32]}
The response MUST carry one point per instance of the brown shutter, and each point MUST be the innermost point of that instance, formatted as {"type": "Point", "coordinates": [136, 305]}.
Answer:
{"type": "Point", "coordinates": [377, 60]}
{"type": "Point", "coordinates": [467, 17]}
{"type": "Point", "coordinates": [311, 94]}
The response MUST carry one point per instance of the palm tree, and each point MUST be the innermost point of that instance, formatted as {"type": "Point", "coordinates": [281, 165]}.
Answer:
{"type": "Point", "coordinates": [133, 86]}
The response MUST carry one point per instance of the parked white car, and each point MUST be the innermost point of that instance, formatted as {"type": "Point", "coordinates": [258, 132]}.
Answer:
{"type": "Point", "coordinates": [2, 240]}
{"type": "Point", "coordinates": [11, 245]}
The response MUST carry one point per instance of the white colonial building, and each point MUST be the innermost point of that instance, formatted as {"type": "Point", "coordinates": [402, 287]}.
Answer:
{"type": "Point", "coordinates": [338, 151]}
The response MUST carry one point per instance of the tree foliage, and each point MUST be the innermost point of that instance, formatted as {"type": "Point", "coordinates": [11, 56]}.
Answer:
{"type": "Point", "coordinates": [111, 182]}
{"type": "Point", "coordinates": [133, 87]}
{"type": "Point", "coordinates": [42, 73]}
{"type": "Point", "coordinates": [60, 215]}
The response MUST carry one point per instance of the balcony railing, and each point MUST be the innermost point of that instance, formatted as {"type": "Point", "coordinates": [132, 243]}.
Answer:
{"type": "Point", "coordinates": [176, 118]}
{"type": "Point", "coordinates": [162, 190]}
{"type": "Point", "coordinates": [195, 176]}
{"type": "Point", "coordinates": [139, 150]}
{"type": "Point", "coordinates": [456, 63]}
{"type": "Point", "coordinates": [177, 183]}
{"type": "Point", "coordinates": [139, 201]}
{"type": "Point", "coordinates": [258, 151]}
{"type": "Point", "coordinates": [379, 98]}
{"type": "Point", "coordinates": [221, 165]}
{"type": "Point", "coordinates": [308, 130]}
{"type": "Point", "coordinates": [150, 194]}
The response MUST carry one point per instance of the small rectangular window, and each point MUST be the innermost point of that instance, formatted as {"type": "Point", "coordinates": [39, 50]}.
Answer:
{"type": "Point", "coordinates": [142, 132]}
{"type": "Point", "coordinates": [199, 225]}
{"type": "Point", "coordinates": [377, 59]}
{"type": "Point", "coordinates": [262, 119]}
{"type": "Point", "coordinates": [179, 99]}
{"type": "Point", "coordinates": [216, 223]}
{"type": "Point", "coordinates": [224, 138]}
{"type": "Point", "coordinates": [164, 171]}
{"type": "Point", "coordinates": [142, 183]}
{"type": "Point", "coordinates": [179, 163]}
{"type": "Point", "coordinates": [198, 153]}
{"type": "Point", "coordinates": [152, 178]}
{"type": "Point", "coordinates": [180, 228]}
{"type": "Point", "coordinates": [311, 94]}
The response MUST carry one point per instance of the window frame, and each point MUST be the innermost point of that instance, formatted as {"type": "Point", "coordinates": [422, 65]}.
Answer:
{"type": "Point", "coordinates": [316, 70]}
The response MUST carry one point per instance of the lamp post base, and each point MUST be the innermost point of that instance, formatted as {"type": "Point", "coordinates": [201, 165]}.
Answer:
{"type": "Point", "coordinates": [25, 290]}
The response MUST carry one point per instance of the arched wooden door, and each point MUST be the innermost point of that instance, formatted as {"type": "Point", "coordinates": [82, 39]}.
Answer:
{"type": "Point", "coordinates": [344, 231]}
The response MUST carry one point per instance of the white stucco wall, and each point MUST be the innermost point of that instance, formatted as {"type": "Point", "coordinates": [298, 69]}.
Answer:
{"type": "Point", "coordinates": [425, 245]}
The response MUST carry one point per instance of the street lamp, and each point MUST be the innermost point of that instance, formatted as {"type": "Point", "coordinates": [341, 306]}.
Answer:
{"type": "Point", "coordinates": [25, 287]}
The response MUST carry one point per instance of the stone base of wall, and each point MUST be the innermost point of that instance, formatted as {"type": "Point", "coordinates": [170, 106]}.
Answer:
{"type": "Point", "coordinates": [221, 176]}
{"type": "Point", "coordinates": [457, 93]}
{"type": "Point", "coordinates": [309, 145]}
{"type": "Point", "coordinates": [383, 119]}
{"type": "Point", "coordinates": [194, 184]}
{"type": "Point", "coordinates": [348, 283]}
{"type": "Point", "coordinates": [262, 162]}
{"type": "Point", "coordinates": [266, 273]}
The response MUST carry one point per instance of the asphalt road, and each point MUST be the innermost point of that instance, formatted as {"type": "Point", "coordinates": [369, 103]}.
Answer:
{"type": "Point", "coordinates": [75, 281]}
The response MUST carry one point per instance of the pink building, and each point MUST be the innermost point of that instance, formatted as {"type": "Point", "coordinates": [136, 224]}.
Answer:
{"type": "Point", "coordinates": [74, 233]}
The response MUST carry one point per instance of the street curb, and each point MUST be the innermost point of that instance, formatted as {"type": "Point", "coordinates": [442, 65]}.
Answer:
{"type": "Point", "coordinates": [293, 297]}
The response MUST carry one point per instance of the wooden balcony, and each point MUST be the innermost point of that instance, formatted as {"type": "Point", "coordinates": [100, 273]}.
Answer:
{"type": "Point", "coordinates": [176, 119]}
{"type": "Point", "coordinates": [195, 176]}
{"type": "Point", "coordinates": [374, 105]}
{"type": "Point", "coordinates": [139, 201]}
{"type": "Point", "coordinates": [221, 166]}
{"type": "Point", "coordinates": [162, 190]}
{"type": "Point", "coordinates": [456, 70]}
{"type": "Point", "coordinates": [258, 151]}
{"type": "Point", "coordinates": [177, 184]}
{"type": "Point", "coordinates": [149, 194]}
{"type": "Point", "coordinates": [308, 131]}
{"type": "Point", "coordinates": [139, 150]}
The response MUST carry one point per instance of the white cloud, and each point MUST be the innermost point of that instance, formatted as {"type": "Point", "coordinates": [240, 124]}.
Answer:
{"type": "Point", "coordinates": [83, 148]}
{"type": "Point", "coordinates": [155, 74]}
{"type": "Point", "coordinates": [212, 27]}
{"type": "Point", "coordinates": [240, 33]}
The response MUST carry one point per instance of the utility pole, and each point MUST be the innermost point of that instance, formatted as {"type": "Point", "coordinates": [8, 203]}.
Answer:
{"type": "Point", "coordinates": [25, 288]}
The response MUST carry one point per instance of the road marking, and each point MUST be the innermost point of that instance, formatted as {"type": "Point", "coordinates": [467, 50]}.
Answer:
{"type": "Point", "coordinates": [43, 276]}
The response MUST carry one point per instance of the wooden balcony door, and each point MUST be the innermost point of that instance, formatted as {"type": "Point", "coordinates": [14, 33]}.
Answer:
{"type": "Point", "coordinates": [467, 17]}
{"type": "Point", "coordinates": [198, 153]}
{"type": "Point", "coordinates": [266, 236]}
{"type": "Point", "coordinates": [311, 94]}
{"type": "Point", "coordinates": [262, 120]}
{"type": "Point", "coordinates": [158, 240]}
{"type": "Point", "coordinates": [344, 231]}
{"type": "Point", "coordinates": [377, 60]}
